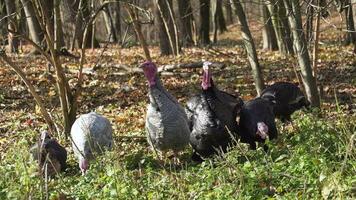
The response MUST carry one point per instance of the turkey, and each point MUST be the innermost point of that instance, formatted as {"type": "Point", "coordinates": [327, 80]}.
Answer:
{"type": "Point", "coordinates": [212, 118]}
{"type": "Point", "coordinates": [166, 122]}
{"type": "Point", "coordinates": [48, 151]}
{"type": "Point", "coordinates": [286, 97]}
{"type": "Point", "coordinates": [91, 134]}
{"type": "Point", "coordinates": [257, 122]}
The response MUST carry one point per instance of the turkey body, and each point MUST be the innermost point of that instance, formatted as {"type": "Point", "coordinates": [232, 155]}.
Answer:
{"type": "Point", "coordinates": [166, 122]}
{"type": "Point", "coordinates": [91, 133]}
{"type": "Point", "coordinates": [51, 149]}
{"type": "Point", "coordinates": [212, 120]}
{"type": "Point", "coordinates": [253, 112]}
{"type": "Point", "coordinates": [287, 98]}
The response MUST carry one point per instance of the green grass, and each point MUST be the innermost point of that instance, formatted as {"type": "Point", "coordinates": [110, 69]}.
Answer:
{"type": "Point", "coordinates": [314, 159]}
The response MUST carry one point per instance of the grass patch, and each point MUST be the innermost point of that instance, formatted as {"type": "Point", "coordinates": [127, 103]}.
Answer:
{"type": "Point", "coordinates": [312, 159]}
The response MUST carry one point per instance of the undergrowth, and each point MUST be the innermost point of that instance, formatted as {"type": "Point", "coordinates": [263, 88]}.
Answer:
{"type": "Point", "coordinates": [312, 159]}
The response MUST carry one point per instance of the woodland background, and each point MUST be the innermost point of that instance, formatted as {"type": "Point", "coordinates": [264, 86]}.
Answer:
{"type": "Point", "coordinates": [61, 58]}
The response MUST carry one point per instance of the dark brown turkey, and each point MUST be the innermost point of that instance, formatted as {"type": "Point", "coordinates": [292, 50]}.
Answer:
{"type": "Point", "coordinates": [286, 98]}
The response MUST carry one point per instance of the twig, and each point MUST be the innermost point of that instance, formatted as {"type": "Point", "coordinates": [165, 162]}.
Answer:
{"type": "Point", "coordinates": [137, 28]}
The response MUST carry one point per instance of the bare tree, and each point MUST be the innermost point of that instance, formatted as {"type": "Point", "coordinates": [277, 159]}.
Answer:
{"type": "Point", "coordinates": [268, 35]}
{"type": "Point", "coordinates": [3, 23]}
{"type": "Point", "coordinates": [33, 25]}
{"type": "Point", "coordinates": [109, 24]}
{"type": "Point", "coordinates": [204, 21]}
{"type": "Point", "coordinates": [115, 12]}
{"type": "Point", "coordinates": [309, 81]}
{"type": "Point", "coordinates": [12, 25]}
{"type": "Point", "coordinates": [168, 36]}
{"type": "Point", "coordinates": [229, 14]}
{"type": "Point", "coordinates": [350, 24]}
{"type": "Point", "coordinates": [218, 18]}
{"type": "Point", "coordinates": [309, 21]}
{"type": "Point", "coordinates": [76, 14]}
{"type": "Point", "coordinates": [280, 25]}
{"type": "Point", "coordinates": [67, 96]}
{"type": "Point", "coordinates": [136, 24]}
{"type": "Point", "coordinates": [249, 46]}
{"type": "Point", "coordinates": [186, 17]}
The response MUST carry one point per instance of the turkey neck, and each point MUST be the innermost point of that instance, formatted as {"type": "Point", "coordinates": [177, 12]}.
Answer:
{"type": "Point", "coordinates": [210, 94]}
{"type": "Point", "coordinates": [158, 86]}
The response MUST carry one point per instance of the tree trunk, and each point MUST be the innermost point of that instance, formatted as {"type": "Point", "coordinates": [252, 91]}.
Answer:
{"type": "Point", "coordinates": [221, 18]}
{"type": "Point", "coordinates": [300, 44]}
{"type": "Point", "coordinates": [68, 15]}
{"type": "Point", "coordinates": [13, 41]}
{"type": "Point", "coordinates": [137, 27]}
{"type": "Point", "coordinates": [214, 11]}
{"type": "Point", "coordinates": [218, 18]}
{"type": "Point", "coordinates": [115, 12]}
{"type": "Point", "coordinates": [75, 17]}
{"type": "Point", "coordinates": [33, 25]}
{"type": "Point", "coordinates": [310, 20]}
{"type": "Point", "coordinates": [109, 25]}
{"type": "Point", "coordinates": [268, 34]}
{"type": "Point", "coordinates": [249, 46]}
{"type": "Point", "coordinates": [204, 21]}
{"type": "Point", "coordinates": [350, 25]}
{"type": "Point", "coordinates": [186, 17]}
{"type": "Point", "coordinates": [229, 15]}
{"type": "Point", "coordinates": [281, 26]}
{"type": "Point", "coordinates": [3, 23]}
{"type": "Point", "coordinates": [91, 40]}
{"type": "Point", "coordinates": [167, 36]}
{"type": "Point", "coordinates": [273, 10]}
{"type": "Point", "coordinates": [354, 12]}
{"type": "Point", "coordinates": [286, 32]}
{"type": "Point", "coordinates": [58, 31]}
{"type": "Point", "coordinates": [316, 39]}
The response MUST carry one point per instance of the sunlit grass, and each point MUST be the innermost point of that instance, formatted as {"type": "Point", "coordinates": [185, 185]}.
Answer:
{"type": "Point", "coordinates": [312, 159]}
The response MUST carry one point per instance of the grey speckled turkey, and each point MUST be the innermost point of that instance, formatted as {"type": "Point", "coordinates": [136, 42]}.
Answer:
{"type": "Point", "coordinates": [257, 122]}
{"type": "Point", "coordinates": [212, 116]}
{"type": "Point", "coordinates": [166, 122]}
{"type": "Point", "coordinates": [287, 98]}
{"type": "Point", "coordinates": [49, 148]}
{"type": "Point", "coordinates": [91, 133]}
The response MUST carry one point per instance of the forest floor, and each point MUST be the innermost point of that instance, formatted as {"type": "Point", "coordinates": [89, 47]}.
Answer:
{"type": "Point", "coordinates": [313, 158]}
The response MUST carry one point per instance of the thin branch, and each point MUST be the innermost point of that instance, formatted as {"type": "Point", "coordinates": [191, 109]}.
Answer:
{"type": "Point", "coordinates": [137, 28]}
{"type": "Point", "coordinates": [166, 27]}
{"type": "Point", "coordinates": [31, 89]}
{"type": "Point", "coordinates": [37, 47]}
{"type": "Point", "coordinates": [174, 27]}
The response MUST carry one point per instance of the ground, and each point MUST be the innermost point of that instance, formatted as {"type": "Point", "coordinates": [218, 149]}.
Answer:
{"type": "Point", "coordinates": [313, 158]}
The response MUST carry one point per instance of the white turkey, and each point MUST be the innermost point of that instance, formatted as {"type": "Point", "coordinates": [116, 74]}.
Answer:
{"type": "Point", "coordinates": [91, 134]}
{"type": "Point", "coordinates": [212, 116]}
{"type": "Point", "coordinates": [166, 122]}
{"type": "Point", "coordinates": [257, 122]}
{"type": "Point", "coordinates": [286, 97]}
{"type": "Point", "coordinates": [48, 152]}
